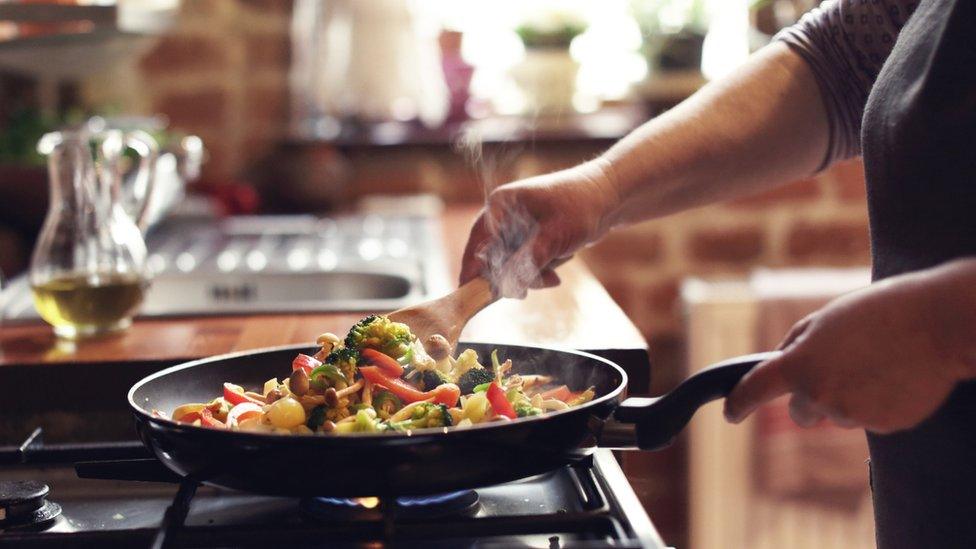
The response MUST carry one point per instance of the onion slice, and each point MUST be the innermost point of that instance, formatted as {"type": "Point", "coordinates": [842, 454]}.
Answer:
{"type": "Point", "coordinates": [242, 411]}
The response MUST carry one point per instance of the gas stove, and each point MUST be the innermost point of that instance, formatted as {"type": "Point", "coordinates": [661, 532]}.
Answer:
{"type": "Point", "coordinates": [128, 499]}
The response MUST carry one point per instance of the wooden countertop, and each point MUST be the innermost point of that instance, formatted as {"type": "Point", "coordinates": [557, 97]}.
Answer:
{"type": "Point", "coordinates": [579, 314]}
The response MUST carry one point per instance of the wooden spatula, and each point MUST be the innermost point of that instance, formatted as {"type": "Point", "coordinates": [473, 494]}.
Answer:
{"type": "Point", "coordinates": [447, 315]}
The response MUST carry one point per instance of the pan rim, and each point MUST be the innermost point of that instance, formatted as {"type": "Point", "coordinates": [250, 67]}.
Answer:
{"type": "Point", "coordinates": [400, 435]}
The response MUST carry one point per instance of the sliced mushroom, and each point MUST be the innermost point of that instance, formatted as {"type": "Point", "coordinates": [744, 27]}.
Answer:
{"type": "Point", "coordinates": [331, 398]}
{"type": "Point", "coordinates": [327, 341]}
{"type": "Point", "coordinates": [298, 382]}
{"type": "Point", "coordinates": [437, 347]}
{"type": "Point", "coordinates": [273, 395]}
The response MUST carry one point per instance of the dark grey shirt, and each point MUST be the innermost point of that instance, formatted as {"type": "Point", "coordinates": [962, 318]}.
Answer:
{"type": "Point", "coordinates": [899, 82]}
{"type": "Point", "coordinates": [846, 42]}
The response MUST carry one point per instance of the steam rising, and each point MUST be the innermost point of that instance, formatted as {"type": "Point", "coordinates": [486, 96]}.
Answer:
{"type": "Point", "coordinates": [576, 372]}
{"type": "Point", "coordinates": [508, 262]}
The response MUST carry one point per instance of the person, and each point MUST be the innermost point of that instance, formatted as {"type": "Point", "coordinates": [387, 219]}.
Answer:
{"type": "Point", "coordinates": [895, 81]}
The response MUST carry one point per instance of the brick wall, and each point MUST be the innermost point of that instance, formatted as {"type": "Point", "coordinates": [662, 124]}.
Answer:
{"type": "Point", "coordinates": [221, 73]}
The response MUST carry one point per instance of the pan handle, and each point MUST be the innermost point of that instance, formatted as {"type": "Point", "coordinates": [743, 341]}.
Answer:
{"type": "Point", "coordinates": [657, 421]}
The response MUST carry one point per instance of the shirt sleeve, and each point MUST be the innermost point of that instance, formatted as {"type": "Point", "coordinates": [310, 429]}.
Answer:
{"type": "Point", "coordinates": [846, 42]}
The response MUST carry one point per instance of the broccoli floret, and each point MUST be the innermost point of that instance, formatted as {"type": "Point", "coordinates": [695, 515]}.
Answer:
{"type": "Point", "coordinates": [424, 415]}
{"type": "Point", "coordinates": [467, 360]}
{"type": "Point", "coordinates": [316, 418]}
{"type": "Point", "coordinates": [346, 359]}
{"type": "Point", "coordinates": [430, 414]}
{"type": "Point", "coordinates": [380, 333]}
{"type": "Point", "coordinates": [429, 379]}
{"type": "Point", "coordinates": [366, 421]}
{"type": "Point", "coordinates": [525, 409]}
{"type": "Point", "coordinates": [474, 377]}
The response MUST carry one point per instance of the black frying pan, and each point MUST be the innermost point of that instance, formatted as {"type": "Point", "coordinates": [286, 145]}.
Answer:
{"type": "Point", "coordinates": [423, 462]}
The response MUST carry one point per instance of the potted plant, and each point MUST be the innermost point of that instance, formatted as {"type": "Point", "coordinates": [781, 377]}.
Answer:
{"type": "Point", "coordinates": [547, 73]}
{"type": "Point", "coordinates": [673, 32]}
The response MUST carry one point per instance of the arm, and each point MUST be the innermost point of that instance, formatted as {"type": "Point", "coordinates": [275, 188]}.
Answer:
{"type": "Point", "coordinates": [764, 126]}
{"type": "Point", "coordinates": [883, 358]}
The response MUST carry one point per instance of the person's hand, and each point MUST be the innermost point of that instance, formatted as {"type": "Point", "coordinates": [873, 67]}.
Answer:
{"type": "Point", "coordinates": [871, 359]}
{"type": "Point", "coordinates": [529, 227]}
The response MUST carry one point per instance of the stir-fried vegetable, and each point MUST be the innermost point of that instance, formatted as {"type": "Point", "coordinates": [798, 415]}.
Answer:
{"type": "Point", "coordinates": [474, 378]}
{"type": "Point", "coordinates": [447, 393]}
{"type": "Point", "coordinates": [422, 416]}
{"type": "Point", "coordinates": [326, 375]}
{"type": "Point", "coordinates": [380, 333]}
{"type": "Point", "coordinates": [386, 404]}
{"type": "Point", "coordinates": [389, 366]}
{"type": "Point", "coordinates": [430, 379]}
{"type": "Point", "coordinates": [242, 412]}
{"type": "Point", "coordinates": [499, 403]}
{"type": "Point", "coordinates": [305, 362]}
{"type": "Point", "coordinates": [235, 395]}
{"type": "Point", "coordinates": [378, 379]}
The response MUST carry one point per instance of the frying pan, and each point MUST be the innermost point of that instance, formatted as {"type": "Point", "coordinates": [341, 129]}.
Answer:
{"type": "Point", "coordinates": [425, 461]}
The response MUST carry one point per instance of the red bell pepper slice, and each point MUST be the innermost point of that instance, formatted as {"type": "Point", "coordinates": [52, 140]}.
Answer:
{"type": "Point", "coordinates": [500, 404]}
{"type": "Point", "coordinates": [447, 393]}
{"type": "Point", "coordinates": [231, 395]}
{"type": "Point", "coordinates": [386, 363]}
{"type": "Point", "coordinates": [207, 419]}
{"type": "Point", "coordinates": [189, 418]}
{"type": "Point", "coordinates": [305, 362]}
{"type": "Point", "coordinates": [559, 393]}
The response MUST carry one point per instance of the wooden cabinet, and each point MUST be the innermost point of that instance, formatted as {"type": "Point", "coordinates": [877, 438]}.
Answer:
{"type": "Point", "coordinates": [766, 483]}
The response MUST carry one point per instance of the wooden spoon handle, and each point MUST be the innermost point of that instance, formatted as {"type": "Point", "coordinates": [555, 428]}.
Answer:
{"type": "Point", "coordinates": [471, 298]}
{"type": "Point", "coordinates": [447, 315]}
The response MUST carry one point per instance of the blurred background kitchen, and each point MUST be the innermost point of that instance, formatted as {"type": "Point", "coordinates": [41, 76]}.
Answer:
{"type": "Point", "coordinates": [310, 105]}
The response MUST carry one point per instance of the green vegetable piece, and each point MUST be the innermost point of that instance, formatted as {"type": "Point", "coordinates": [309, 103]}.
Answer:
{"type": "Point", "coordinates": [343, 355]}
{"type": "Point", "coordinates": [474, 378]}
{"type": "Point", "coordinates": [407, 358]}
{"type": "Point", "coordinates": [328, 371]}
{"type": "Point", "coordinates": [424, 415]}
{"type": "Point", "coordinates": [316, 418]}
{"type": "Point", "coordinates": [482, 387]}
{"type": "Point", "coordinates": [386, 404]}
{"type": "Point", "coordinates": [380, 333]}
{"type": "Point", "coordinates": [525, 409]}
{"type": "Point", "coordinates": [429, 379]}
{"type": "Point", "coordinates": [365, 422]}
{"type": "Point", "coordinates": [429, 414]}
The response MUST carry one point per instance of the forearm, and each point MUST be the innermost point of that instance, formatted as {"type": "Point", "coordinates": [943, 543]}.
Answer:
{"type": "Point", "coordinates": [764, 126]}
{"type": "Point", "coordinates": [950, 292]}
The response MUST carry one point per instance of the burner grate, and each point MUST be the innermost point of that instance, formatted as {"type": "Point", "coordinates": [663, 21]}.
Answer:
{"type": "Point", "coordinates": [587, 505]}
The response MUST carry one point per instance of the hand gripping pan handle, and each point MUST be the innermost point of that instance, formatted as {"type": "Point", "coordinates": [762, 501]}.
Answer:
{"type": "Point", "coordinates": [653, 423]}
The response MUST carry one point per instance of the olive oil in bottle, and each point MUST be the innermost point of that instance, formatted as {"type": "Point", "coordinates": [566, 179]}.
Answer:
{"type": "Point", "coordinates": [86, 305]}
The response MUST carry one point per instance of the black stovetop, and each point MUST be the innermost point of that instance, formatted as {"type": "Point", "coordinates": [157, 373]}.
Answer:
{"type": "Point", "coordinates": [590, 504]}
